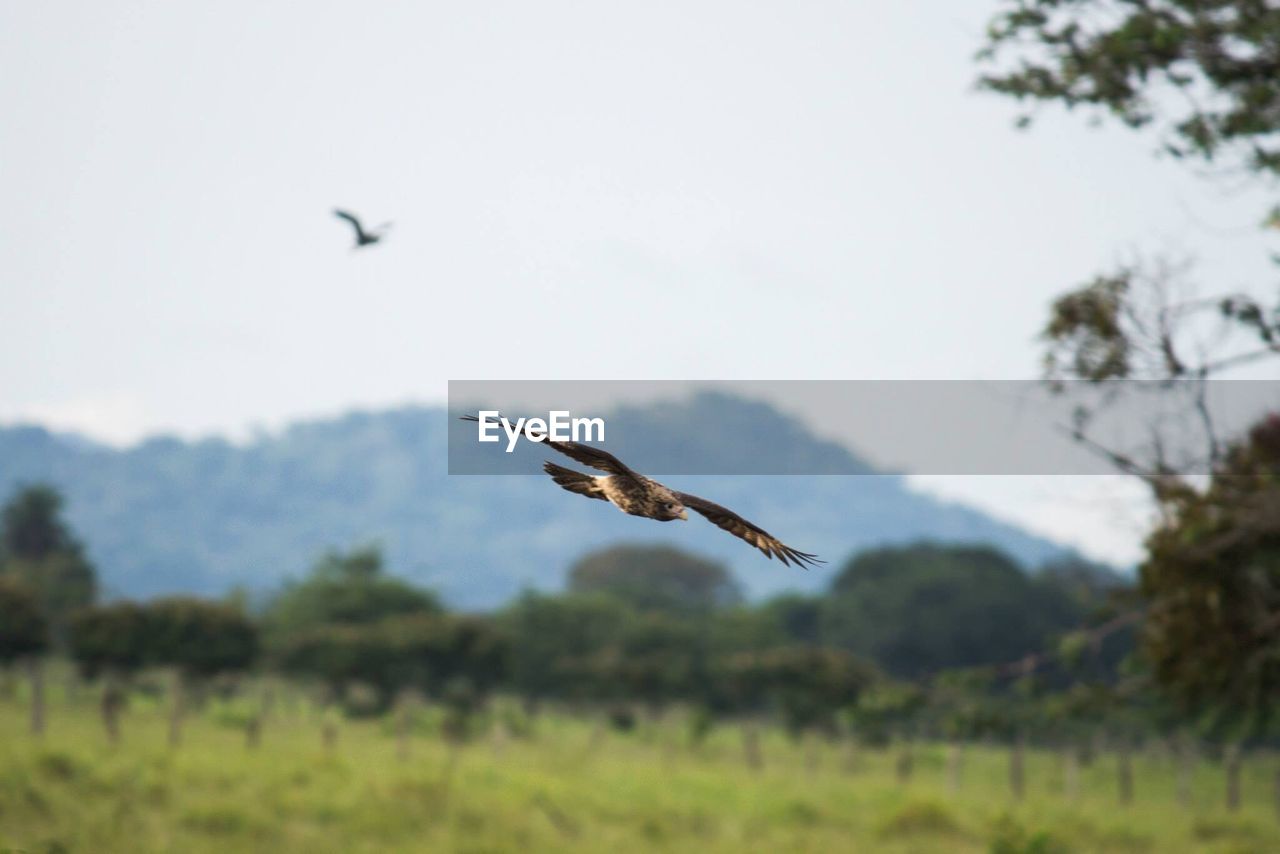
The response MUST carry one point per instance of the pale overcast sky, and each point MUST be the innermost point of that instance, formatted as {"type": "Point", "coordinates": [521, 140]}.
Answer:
{"type": "Point", "coordinates": [740, 190]}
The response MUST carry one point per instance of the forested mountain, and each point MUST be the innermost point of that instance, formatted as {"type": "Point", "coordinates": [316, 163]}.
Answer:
{"type": "Point", "coordinates": [169, 515]}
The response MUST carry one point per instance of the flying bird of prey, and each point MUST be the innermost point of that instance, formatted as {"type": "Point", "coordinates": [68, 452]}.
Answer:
{"type": "Point", "coordinates": [637, 495]}
{"type": "Point", "coordinates": [363, 237]}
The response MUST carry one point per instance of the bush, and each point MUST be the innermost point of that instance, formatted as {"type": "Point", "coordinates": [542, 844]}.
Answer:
{"type": "Point", "coordinates": [921, 817]}
{"type": "Point", "coordinates": [1010, 837]}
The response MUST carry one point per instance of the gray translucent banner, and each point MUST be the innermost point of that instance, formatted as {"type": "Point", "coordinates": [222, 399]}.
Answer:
{"type": "Point", "coordinates": [828, 427]}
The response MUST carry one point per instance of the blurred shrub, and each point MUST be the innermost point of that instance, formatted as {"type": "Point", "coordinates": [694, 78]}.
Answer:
{"type": "Point", "coordinates": [1010, 837]}
{"type": "Point", "coordinates": [921, 817]}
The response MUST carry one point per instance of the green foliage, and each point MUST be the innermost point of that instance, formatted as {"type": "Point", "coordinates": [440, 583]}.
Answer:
{"type": "Point", "coordinates": [1213, 578]}
{"type": "Point", "coordinates": [654, 658]}
{"type": "Point", "coordinates": [962, 704]}
{"type": "Point", "coordinates": [1094, 586]}
{"type": "Point", "coordinates": [23, 628]}
{"type": "Point", "coordinates": [110, 638]}
{"type": "Point", "coordinates": [38, 548]}
{"type": "Point", "coordinates": [746, 628]}
{"type": "Point", "coordinates": [701, 723]}
{"type": "Point", "coordinates": [550, 634]}
{"type": "Point", "coordinates": [807, 685]}
{"type": "Point", "coordinates": [656, 578]}
{"type": "Point", "coordinates": [349, 625]}
{"type": "Point", "coordinates": [31, 526]}
{"type": "Point", "coordinates": [884, 710]}
{"type": "Point", "coordinates": [797, 618]}
{"type": "Point", "coordinates": [921, 818]}
{"type": "Point", "coordinates": [468, 650]}
{"type": "Point", "coordinates": [426, 652]}
{"type": "Point", "coordinates": [462, 704]}
{"type": "Point", "coordinates": [919, 609]}
{"type": "Point", "coordinates": [1010, 837]}
{"type": "Point", "coordinates": [63, 582]}
{"type": "Point", "coordinates": [1087, 334]}
{"type": "Point", "coordinates": [346, 589]}
{"type": "Point", "coordinates": [199, 637]}
{"type": "Point", "coordinates": [1208, 69]}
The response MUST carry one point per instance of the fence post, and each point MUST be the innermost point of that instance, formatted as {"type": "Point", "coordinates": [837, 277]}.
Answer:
{"type": "Point", "coordinates": [36, 673]}
{"type": "Point", "coordinates": [906, 761]}
{"type": "Point", "coordinates": [1186, 768]}
{"type": "Point", "coordinates": [1125, 768]}
{"type": "Point", "coordinates": [751, 745]}
{"type": "Point", "coordinates": [1232, 760]}
{"type": "Point", "coordinates": [955, 764]}
{"type": "Point", "coordinates": [1071, 771]}
{"type": "Point", "coordinates": [1017, 763]}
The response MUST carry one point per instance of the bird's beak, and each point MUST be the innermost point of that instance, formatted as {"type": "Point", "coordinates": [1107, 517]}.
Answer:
{"type": "Point", "coordinates": [684, 514]}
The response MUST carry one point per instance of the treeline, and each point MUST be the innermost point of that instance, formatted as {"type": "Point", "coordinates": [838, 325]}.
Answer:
{"type": "Point", "coordinates": [638, 628]}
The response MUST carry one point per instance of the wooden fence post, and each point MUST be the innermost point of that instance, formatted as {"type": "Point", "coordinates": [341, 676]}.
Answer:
{"type": "Point", "coordinates": [906, 761]}
{"type": "Point", "coordinates": [955, 765]}
{"type": "Point", "coordinates": [1017, 766]}
{"type": "Point", "coordinates": [1232, 759]}
{"type": "Point", "coordinates": [751, 745]}
{"type": "Point", "coordinates": [1187, 750]}
{"type": "Point", "coordinates": [35, 671]}
{"type": "Point", "coordinates": [1071, 771]}
{"type": "Point", "coordinates": [1125, 769]}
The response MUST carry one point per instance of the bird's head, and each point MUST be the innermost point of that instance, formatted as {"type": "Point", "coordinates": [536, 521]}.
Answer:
{"type": "Point", "coordinates": [671, 509]}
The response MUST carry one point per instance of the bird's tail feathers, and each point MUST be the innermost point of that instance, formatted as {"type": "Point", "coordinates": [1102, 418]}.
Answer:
{"type": "Point", "coordinates": [575, 481]}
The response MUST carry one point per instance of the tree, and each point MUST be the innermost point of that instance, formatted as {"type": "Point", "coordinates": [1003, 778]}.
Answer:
{"type": "Point", "coordinates": [112, 642]}
{"type": "Point", "coordinates": [465, 660]}
{"type": "Point", "coordinates": [886, 709]}
{"type": "Point", "coordinates": [549, 633]}
{"type": "Point", "coordinates": [1212, 580]}
{"type": "Point", "coordinates": [465, 648]}
{"type": "Point", "coordinates": [1094, 586]}
{"type": "Point", "coordinates": [656, 578]}
{"type": "Point", "coordinates": [336, 655]}
{"type": "Point", "coordinates": [198, 639]}
{"type": "Point", "coordinates": [922, 608]}
{"type": "Point", "coordinates": [23, 628]}
{"type": "Point", "coordinates": [32, 527]}
{"type": "Point", "coordinates": [38, 547]}
{"type": "Point", "coordinates": [24, 636]}
{"type": "Point", "coordinates": [1207, 70]}
{"type": "Point", "coordinates": [796, 616]}
{"type": "Point", "coordinates": [435, 654]}
{"type": "Point", "coordinates": [656, 660]}
{"type": "Point", "coordinates": [1208, 577]}
{"type": "Point", "coordinates": [749, 629]}
{"type": "Point", "coordinates": [344, 589]}
{"type": "Point", "coordinates": [806, 685]}
{"type": "Point", "coordinates": [1137, 344]}
{"type": "Point", "coordinates": [1209, 73]}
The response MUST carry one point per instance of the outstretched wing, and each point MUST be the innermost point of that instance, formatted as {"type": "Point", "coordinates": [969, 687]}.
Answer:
{"type": "Point", "coordinates": [752, 533]}
{"type": "Point", "coordinates": [585, 454]}
{"type": "Point", "coordinates": [351, 218]}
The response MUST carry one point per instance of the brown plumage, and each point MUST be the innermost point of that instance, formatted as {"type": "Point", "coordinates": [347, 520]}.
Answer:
{"type": "Point", "coordinates": [637, 495]}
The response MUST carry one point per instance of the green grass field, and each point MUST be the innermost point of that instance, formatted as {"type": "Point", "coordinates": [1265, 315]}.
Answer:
{"type": "Point", "coordinates": [570, 787]}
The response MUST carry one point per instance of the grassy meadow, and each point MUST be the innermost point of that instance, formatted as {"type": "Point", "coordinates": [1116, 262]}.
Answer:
{"type": "Point", "coordinates": [570, 785]}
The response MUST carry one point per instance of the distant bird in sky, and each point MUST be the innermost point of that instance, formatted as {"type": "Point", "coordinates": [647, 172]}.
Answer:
{"type": "Point", "coordinates": [363, 238]}
{"type": "Point", "coordinates": [637, 495]}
